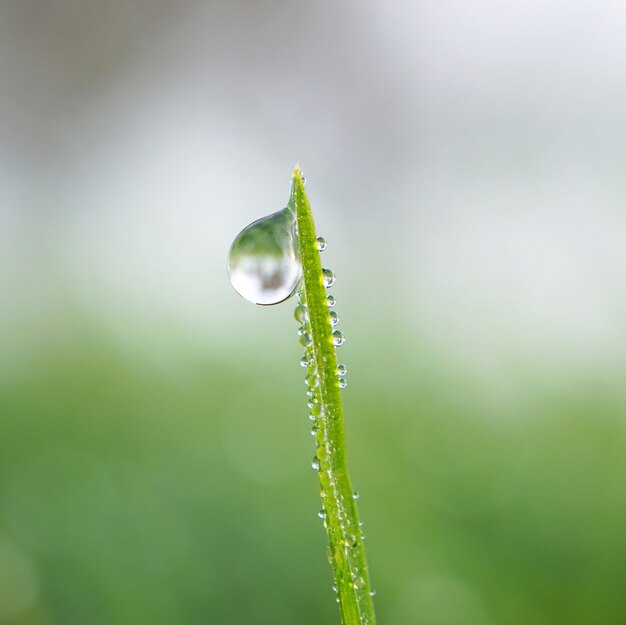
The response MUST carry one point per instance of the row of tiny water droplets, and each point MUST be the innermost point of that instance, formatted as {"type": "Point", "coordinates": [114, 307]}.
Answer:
{"type": "Point", "coordinates": [350, 536]}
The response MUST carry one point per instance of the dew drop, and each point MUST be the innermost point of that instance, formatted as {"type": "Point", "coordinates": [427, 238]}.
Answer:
{"type": "Point", "coordinates": [334, 318]}
{"type": "Point", "coordinates": [316, 410]}
{"type": "Point", "coordinates": [358, 583]}
{"type": "Point", "coordinates": [322, 453]}
{"type": "Point", "coordinates": [341, 370]}
{"type": "Point", "coordinates": [342, 382]}
{"type": "Point", "coordinates": [322, 514]}
{"type": "Point", "coordinates": [329, 278]}
{"type": "Point", "coordinates": [264, 261]}
{"type": "Point", "coordinates": [304, 362]}
{"type": "Point", "coordinates": [311, 380]}
{"type": "Point", "coordinates": [315, 463]}
{"type": "Point", "coordinates": [330, 300]}
{"type": "Point", "coordinates": [338, 338]}
{"type": "Point", "coordinates": [301, 313]}
{"type": "Point", "coordinates": [372, 593]}
{"type": "Point", "coordinates": [355, 495]}
{"type": "Point", "coordinates": [335, 589]}
{"type": "Point", "coordinates": [305, 339]}
{"type": "Point", "coordinates": [321, 243]}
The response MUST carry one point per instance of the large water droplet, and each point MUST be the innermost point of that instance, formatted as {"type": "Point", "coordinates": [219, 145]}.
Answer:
{"type": "Point", "coordinates": [264, 261]}
{"type": "Point", "coordinates": [330, 299]}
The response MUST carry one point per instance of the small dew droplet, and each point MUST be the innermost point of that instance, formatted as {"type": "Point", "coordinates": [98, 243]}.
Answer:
{"type": "Point", "coordinates": [321, 243]}
{"type": "Point", "coordinates": [300, 313]}
{"type": "Point", "coordinates": [331, 301]}
{"type": "Point", "coordinates": [305, 339]}
{"type": "Point", "coordinates": [315, 463]}
{"type": "Point", "coordinates": [372, 593]}
{"type": "Point", "coordinates": [355, 495]}
{"type": "Point", "coordinates": [329, 278]}
{"type": "Point", "coordinates": [316, 410]}
{"type": "Point", "coordinates": [304, 362]}
{"type": "Point", "coordinates": [338, 338]}
{"type": "Point", "coordinates": [341, 370]}
{"type": "Point", "coordinates": [358, 583]}
{"type": "Point", "coordinates": [264, 261]}
{"type": "Point", "coordinates": [311, 380]}
{"type": "Point", "coordinates": [322, 514]}
{"type": "Point", "coordinates": [334, 318]}
{"type": "Point", "coordinates": [342, 382]}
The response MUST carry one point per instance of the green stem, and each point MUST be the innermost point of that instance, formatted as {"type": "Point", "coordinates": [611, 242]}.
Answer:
{"type": "Point", "coordinates": [346, 548]}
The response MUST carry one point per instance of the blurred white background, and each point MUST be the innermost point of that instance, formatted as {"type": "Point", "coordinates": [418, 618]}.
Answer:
{"type": "Point", "coordinates": [464, 160]}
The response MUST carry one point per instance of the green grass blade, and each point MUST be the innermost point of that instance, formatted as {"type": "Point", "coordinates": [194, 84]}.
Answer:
{"type": "Point", "coordinates": [346, 548]}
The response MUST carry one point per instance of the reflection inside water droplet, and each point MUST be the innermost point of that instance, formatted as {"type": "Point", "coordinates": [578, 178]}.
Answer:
{"type": "Point", "coordinates": [338, 338]}
{"type": "Point", "coordinates": [329, 278]}
{"type": "Point", "coordinates": [264, 261]}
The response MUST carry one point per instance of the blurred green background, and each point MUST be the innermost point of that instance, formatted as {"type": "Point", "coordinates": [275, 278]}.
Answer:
{"type": "Point", "coordinates": [465, 163]}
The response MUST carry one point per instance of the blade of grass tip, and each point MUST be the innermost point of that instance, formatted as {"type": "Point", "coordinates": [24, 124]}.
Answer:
{"type": "Point", "coordinates": [339, 513]}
